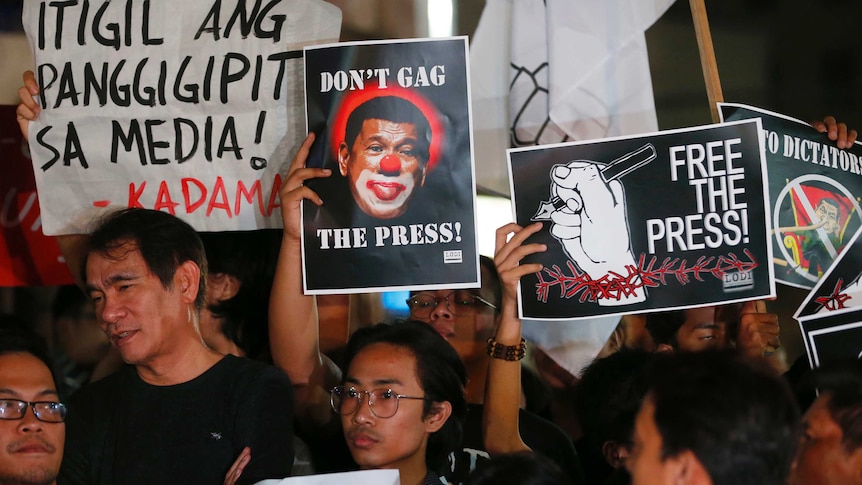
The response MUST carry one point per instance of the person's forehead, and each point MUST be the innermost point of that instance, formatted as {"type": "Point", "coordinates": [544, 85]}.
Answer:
{"type": "Point", "coordinates": [382, 363]}
{"type": "Point", "coordinates": [125, 256]}
{"type": "Point", "coordinates": [699, 315]}
{"type": "Point", "coordinates": [25, 376]}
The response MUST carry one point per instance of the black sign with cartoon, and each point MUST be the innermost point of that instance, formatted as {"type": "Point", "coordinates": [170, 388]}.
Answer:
{"type": "Point", "coordinates": [814, 192]}
{"type": "Point", "coordinates": [392, 121]}
{"type": "Point", "coordinates": [666, 220]}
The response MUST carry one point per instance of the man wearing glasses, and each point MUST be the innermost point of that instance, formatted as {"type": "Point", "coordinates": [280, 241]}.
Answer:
{"type": "Point", "coordinates": [31, 417]}
{"type": "Point", "coordinates": [401, 401]}
{"type": "Point", "coordinates": [466, 319]}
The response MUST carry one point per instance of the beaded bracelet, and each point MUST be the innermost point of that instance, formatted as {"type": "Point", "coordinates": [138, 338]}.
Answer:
{"type": "Point", "coordinates": [507, 352]}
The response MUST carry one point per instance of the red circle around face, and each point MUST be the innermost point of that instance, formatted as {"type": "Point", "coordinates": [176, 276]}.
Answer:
{"type": "Point", "coordinates": [353, 99]}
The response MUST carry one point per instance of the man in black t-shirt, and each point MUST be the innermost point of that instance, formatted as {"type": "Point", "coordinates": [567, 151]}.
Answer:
{"type": "Point", "coordinates": [182, 413]}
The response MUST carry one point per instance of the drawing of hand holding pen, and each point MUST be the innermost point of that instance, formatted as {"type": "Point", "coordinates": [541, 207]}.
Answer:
{"type": "Point", "coordinates": [588, 212]}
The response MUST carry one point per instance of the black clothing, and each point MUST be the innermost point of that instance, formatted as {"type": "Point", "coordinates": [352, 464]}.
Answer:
{"type": "Point", "coordinates": [121, 430]}
{"type": "Point", "coordinates": [540, 435]}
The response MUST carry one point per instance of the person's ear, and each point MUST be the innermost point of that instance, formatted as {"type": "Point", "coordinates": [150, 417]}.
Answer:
{"type": "Point", "coordinates": [187, 281]}
{"type": "Point", "coordinates": [437, 416]}
{"type": "Point", "coordinates": [222, 286]}
{"type": "Point", "coordinates": [343, 158]}
{"type": "Point", "coordinates": [664, 348]}
{"type": "Point", "coordinates": [424, 173]}
{"type": "Point", "coordinates": [615, 453]}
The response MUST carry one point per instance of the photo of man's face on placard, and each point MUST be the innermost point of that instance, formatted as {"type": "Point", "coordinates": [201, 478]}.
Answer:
{"type": "Point", "coordinates": [384, 155]}
{"type": "Point", "coordinates": [392, 126]}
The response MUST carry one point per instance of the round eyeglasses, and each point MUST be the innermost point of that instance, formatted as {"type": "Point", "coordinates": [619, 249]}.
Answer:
{"type": "Point", "coordinates": [47, 411]}
{"type": "Point", "coordinates": [382, 402]}
{"type": "Point", "coordinates": [459, 302]}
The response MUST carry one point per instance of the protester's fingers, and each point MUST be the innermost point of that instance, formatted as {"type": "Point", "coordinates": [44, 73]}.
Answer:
{"type": "Point", "coordinates": [505, 245]}
{"type": "Point", "coordinates": [24, 116]}
{"type": "Point", "coordinates": [512, 275]}
{"type": "Point", "coordinates": [29, 78]}
{"type": "Point", "coordinates": [501, 238]}
{"type": "Point", "coordinates": [842, 135]}
{"type": "Point", "coordinates": [831, 127]}
{"type": "Point", "coordinates": [297, 178]}
{"type": "Point", "coordinates": [513, 261]}
{"type": "Point", "coordinates": [851, 137]}
{"type": "Point", "coordinates": [23, 113]}
{"type": "Point", "coordinates": [754, 306]}
{"type": "Point", "coordinates": [774, 342]}
{"type": "Point", "coordinates": [238, 466]}
{"type": "Point", "coordinates": [302, 154]}
{"type": "Point", "coordinates": [292, 197]}
{"type": "Point", "coordinates": [521, 235]}
{"type": "Point", "coordinates": [28, 101]}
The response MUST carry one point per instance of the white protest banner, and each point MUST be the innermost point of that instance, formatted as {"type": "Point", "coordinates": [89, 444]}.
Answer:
{"type": "Point", "coordinates": [176, 106]}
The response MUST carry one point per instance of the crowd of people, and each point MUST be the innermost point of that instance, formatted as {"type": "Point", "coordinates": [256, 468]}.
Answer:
{"type": "Point", "coordinates": [198, 362]}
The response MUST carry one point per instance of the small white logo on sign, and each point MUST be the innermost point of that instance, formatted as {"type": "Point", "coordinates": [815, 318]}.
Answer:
{"type": "Point", "coordinates": [215, 436]}
{"type": "Point", "coordinates": [453, 256]}
{"type": "Point", "coordinates": [738, 281]}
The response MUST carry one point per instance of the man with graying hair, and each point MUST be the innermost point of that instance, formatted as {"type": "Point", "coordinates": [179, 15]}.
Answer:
{"type": "Point", "coordinates": [181, 412]}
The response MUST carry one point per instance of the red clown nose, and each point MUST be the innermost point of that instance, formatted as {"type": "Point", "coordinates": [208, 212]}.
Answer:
{"type": "Point", "coordinates": [390, 164]}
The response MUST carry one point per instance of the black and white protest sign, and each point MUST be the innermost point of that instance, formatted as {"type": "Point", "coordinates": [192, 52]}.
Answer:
{"type": "Point", "coordinates": [176, 107]}
{"type": "Point", "coordinates": [393, 124]}
{"type": "Point", "coordinates": [814, 190]}
{"type": "Point", "coordinates": [841, 285]}
{"type": "Point", "coordinates": [673, 219]}
{"type": "Point", "coordinates": [833, 336]}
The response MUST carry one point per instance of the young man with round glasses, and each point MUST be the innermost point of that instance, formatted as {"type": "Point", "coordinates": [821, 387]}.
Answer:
{"type": "Point", "coordinates": [401, 401]}
{"type": "Point", "coordinates": [464, 318]}
{"type": "Point", "coordinates": [32, 430]}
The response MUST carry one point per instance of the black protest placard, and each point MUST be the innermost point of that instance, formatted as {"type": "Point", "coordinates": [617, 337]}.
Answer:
{"type": "Point", "coordinates": [393, 124]}
{"type": "Point", "coordinates": [841, 285]}
{"type": "Point", "coordinates": [190, 108]}
{"type": "Point", "coordinates": [832, 337]}
{"type": "Point", "coordinates": [814, 190]}
{"type": "Point", "coordinates": [667, 220]}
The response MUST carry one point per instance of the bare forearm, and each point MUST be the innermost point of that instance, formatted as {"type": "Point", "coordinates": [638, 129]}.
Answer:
{"type": "Point", "coordinates": [503, 391]}
{"type": "Point", "coordinates": [293, 323]}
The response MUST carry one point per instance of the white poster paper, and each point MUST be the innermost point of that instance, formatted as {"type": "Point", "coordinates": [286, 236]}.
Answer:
{"type": "Point", "coordinates": [176, 106]}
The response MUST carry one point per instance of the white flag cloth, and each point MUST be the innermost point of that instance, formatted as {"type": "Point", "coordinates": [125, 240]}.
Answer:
{"type": "Point", "coordinates": [572, 345]}
{"type": "Point", "coordinates": [547, 71]}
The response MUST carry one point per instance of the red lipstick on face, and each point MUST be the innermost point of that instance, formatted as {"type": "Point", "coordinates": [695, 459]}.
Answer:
{"type": "Point", "coordinates": [385, 190]}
